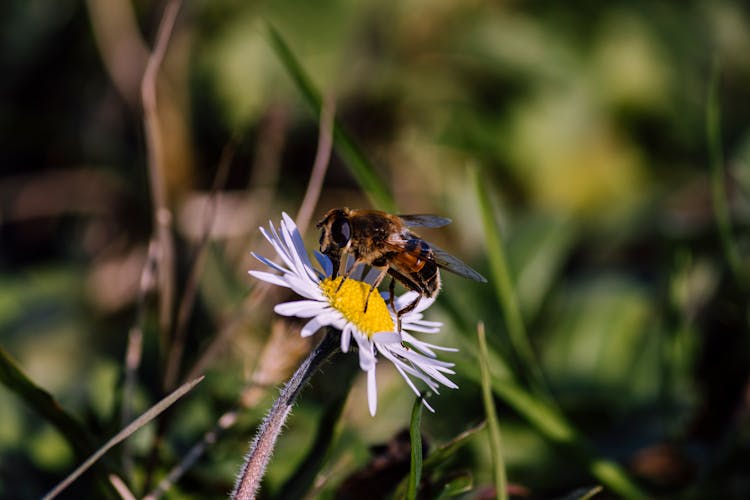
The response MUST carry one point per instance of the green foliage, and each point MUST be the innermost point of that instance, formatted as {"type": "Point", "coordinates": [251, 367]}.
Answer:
{"type": "Point", "coordinates": [415, 439]}
{"type": "Point", "coordinates": [44, 404]}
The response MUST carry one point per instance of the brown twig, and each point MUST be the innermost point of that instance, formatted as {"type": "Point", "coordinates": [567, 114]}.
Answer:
{"type": "Point", "coordinates": [122, 488]}
{"type": "Point", "coordinates": [322, 159]}
{"type": "Point", "coordinates": [156, 167]}
{"type": "Point", "coordinates": [135, 348]}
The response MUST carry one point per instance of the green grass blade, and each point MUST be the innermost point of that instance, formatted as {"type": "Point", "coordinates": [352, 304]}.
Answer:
{"type": "Point", "coordinates": [415, 434]}
{"type": "Point", "coordinates": [496, 450]}
{"type": "Point", "coordinates": [457, 484]}
{"type": "Point", "coordinates": [42, 402]}
{"type": "Point", "coordinates": [716, 164]}
{"type": "Point", "coordinates": [363, 171]}
{"type": "Point", "coordinates": [583, 493]}
{"type": "Point", "coordinates": [136, 424]}
{"type": "Point", "coordinates": [447, 450]}
{"type": "Point", "coordinates": [441, 454]}
{"type": "Point", "coordinates": [504, 288]}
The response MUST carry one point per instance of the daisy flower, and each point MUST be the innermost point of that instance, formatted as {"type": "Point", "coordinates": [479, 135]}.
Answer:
{"type": "Point", "coordinates": [326, 302]}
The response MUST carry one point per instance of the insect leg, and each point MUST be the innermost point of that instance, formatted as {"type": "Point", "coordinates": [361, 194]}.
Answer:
{"type": "Point", "coordinates": [345, 274]}
{"type": "Point", "coordinates": [392, 294]}
{"type": "Point", "coordinates": [407, 309]}
{"type": "Point", "coordinates": [375, 284]}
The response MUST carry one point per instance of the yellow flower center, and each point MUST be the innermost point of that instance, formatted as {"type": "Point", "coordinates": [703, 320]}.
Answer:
{"type": "Point", "coordinates": [350, 301]}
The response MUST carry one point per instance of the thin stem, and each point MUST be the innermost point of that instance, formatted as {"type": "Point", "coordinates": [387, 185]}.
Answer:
{"type": "Point", "coordinates": [262, 446]}
{"type": "Point", "coordinates": [134, 351]}
{"type": "Point", "coordinates": [493, 426]}
{"type": "Point", "coordinates": [156, 167]}
{"type": "Point", "coordinates": [162, 232]}
{"type": "Point", "coordinates": [322, 158]}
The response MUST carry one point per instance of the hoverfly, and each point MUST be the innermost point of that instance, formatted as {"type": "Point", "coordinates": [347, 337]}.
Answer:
{"type": "Point", "coordinates": [385, 242]}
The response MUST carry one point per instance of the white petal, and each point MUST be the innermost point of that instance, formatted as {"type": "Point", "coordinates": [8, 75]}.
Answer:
{"type": "Point", "coordinates": [269, 278]}
{"type": "Point", "coordinates": [420, 326]}
{"type": "Point", "coordinates": [346, 337]}
{"type": "Point", "coordinates": [405, 299]}
{"type": "Point", "coordinates": [414, 388]}
{"type": "Point", "coordinates": [407, 379]}
{"type": "Point", "coordinates": [372, 392]}
{"type": "Point", "coordinates": [296, 247]}
{"type": "Point", "coordinates": [277, 245]}
{"type": "Point", "coordinates": [444, 380]}
{"type": "Point", "coordinates": [300, 308]}
{"type": "Point", "coordinates": [425, 347]}
{"type": "Point", "coordinates": [366, 356]}
{"type": "Point", "coordinates": [327, 318]}
{"type": "Point", "coordinates": [269, 263]}
{"type": "Point", "coordinates": [415, 371]}
{"type": "Point", "coordinates": [366, 360]}
{"type": "Point", "coordinates": [299, 245]}
{"type": "Point", "coordinates": [427, 405]}
{"type": "Point", "coordinates": [304, 287]}
{"type": "Point", "coordinates": [425, 323]}
{"type": "Point", "coordinates": [422, 360]}
{"type": "Point", "coordinates": [428, 346]}
{"type": "Point", "coordinates": [311, 327]}
{"type": "Point", "coordinates": [418, 346]}
{"type": "Point", "coordinates": [435, 387]}
{"type": "Point", "coordinates": [424, 304]}
{"type": "Point", "coordinates": [386, 338]}
{"type": "Point", "coordinates": [439, 377]}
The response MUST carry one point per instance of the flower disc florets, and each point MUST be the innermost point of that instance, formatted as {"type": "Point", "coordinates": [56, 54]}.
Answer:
{"type": "Point", "coordinates": [366, 310]}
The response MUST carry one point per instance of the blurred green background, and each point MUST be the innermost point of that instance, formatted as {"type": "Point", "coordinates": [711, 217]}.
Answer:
{"type": "Point", "coordinates": [585, 122]}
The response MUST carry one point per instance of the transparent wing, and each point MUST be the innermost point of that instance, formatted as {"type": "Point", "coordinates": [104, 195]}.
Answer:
{"type": "Point", "coordinates": [424, 220]}
{"type": "Point", "coordinates": [454, 265]}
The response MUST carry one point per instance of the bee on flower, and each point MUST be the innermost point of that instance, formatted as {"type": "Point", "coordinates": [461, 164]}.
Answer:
{"type": "Point", "coordinates": [348, 305]}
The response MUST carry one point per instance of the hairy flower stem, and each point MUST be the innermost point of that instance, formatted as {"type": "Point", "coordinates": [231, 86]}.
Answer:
{"type": "Point", "coordinates": [261, 448]}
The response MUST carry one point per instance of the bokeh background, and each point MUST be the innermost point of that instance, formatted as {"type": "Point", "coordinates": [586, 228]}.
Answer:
{"type": "Point", "coordinates": [584, 124]}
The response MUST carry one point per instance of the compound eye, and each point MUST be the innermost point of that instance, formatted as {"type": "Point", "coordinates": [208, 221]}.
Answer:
{"type": "Point", "coordinates": [341, 232]}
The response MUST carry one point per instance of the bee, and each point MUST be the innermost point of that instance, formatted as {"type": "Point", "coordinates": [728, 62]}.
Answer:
{"type": "Point", "coordinates": [385, 242]}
